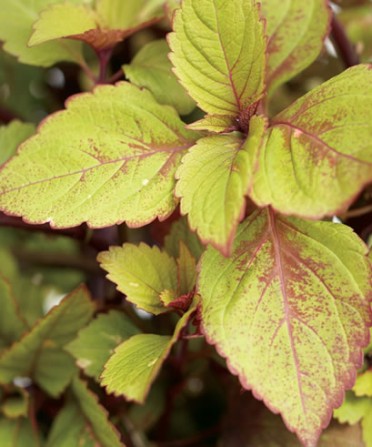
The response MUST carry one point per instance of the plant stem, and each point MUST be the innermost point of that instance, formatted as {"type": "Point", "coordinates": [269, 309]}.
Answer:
{"type": "Point", "coordinates": [116, 76]}
{"type": "Point", "coordinates": [357, 212]}
{"type": "Point", "coordinates": [104, 57]}
{"type": "Point", "coordinates": [345, 49]}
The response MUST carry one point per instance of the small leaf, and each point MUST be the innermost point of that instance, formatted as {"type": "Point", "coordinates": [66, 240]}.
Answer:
{"type": "Point", "coordinates": [318, 153]}
{"type": "Point", "coordinates": [96, 342]}
{"type": "Point", "coordinates": [136, 362]}
{"type": "Point", "coordinates": [186, 270]}
{"type": "Point", "coordinates": [38, 354]}
{"type": "Point", "coordinates": [142, 273]}
{"type": "Point", "coordinates": [16, 20]}
{"type": "Point", "coordinates": [296, 31]}
{"type": "Point", "coordinates": [180, 232]}
{"type": "Point", "coordinates": [213, 180]}
{"type": "Point", "coordinates": [219, 54]}
{"type": "Point", "coordinates": [111, 156]}
{"type": "Point", "coordinates": [16, 405]}
{"type": "Point", "coordinates": [17, 433]}
{"type": "Point", "coordinates": [293, 298]}
{"type": "Point", "coordinates": [152, 69]}
{"type": "Point", "coordinates": [11, 136]}
{"type": "Point", "coordinates": [363, 384]}
{"type": "Point", "coordinates": [83, 422]}
{"type": "Point", "coordinates": [353, 409]}
{"type": "Point", "coordinates": [62, 20]}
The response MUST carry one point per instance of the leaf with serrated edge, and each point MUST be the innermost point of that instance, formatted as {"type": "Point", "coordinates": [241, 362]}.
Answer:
{"type": "Point", "coordinates": [96, 342]}
{"type": "Point", "coordinates": [11, 323]}
{"type": "Point", "coordinates": [293, 298]}
{"type": "Point", "coordinates": [62, 20]}
{"type": "Point", "coordinates": [221, 65]}
{"type": "Point", "coordinates": [296, 32]}
{"type": "Point", "coordinates": [142, 273]}
{"type": "Point", "coordinates": [318, 153]}
{"type": "Point", "coordinates": [213, 179]}
{"type": "Point", "coordinates": [136, 362]}
{"type": "Point", "coordinates": [111, 156]}
{"type": "Point", "coordinates": [152, 69]}
{"type": "Point", "coordinates": [11, 136]}
{"type": "Point", "coordinates": [16, 20]}
{"type": "Point", "coordinates": [30, 356]}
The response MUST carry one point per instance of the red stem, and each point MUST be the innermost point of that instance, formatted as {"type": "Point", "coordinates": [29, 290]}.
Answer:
{"type": "Point", "coordinates": [345, 49]}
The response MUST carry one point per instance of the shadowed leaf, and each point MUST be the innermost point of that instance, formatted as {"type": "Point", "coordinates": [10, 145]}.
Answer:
{"type": "Point", "coordinates": [11, 136]}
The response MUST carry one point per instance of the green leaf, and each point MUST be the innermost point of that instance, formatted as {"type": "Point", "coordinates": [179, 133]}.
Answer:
{"type": "Point", "coordinates": [119, 14]}
{"type": "Point", "coordinates": [16, 20]}
{"type": "Point", "coordinates": [62, 20]}
{"type": "Point", "coordinates": [83, 422]}
{"type": "Point", "coordinates": [180, 232]}
{"type": "Point", "coordinates": [38, 354]}
{"type": "Point", "coordinates": [11, 323]}
{"type": "Point", "coordinates": [318, 153]}
{"type": "Point", "coordinates": [219, 55]}
{"type": "Point", "coordinates": [152, 69]}
{"type": "Point", "coordinates": [16, 404]}
{"type": "Point", "coordinates": [11, 136]}
{"type": "Point", "coordinates": [186, 267]}
{"type": "Point", "coordinates": [135, 363]}
{"type": "Point", "coordinates": [363, 384]}
{"type": "Point", "coordinates": [293, 298]}
{"type": "Point", "coordinates": [17, 433]}
{"type": "Point", "coordinates": [296, 32]}
{"type": "Point", "coordinates": [213, 180]}
{"type": "Point", "coordinates": [96, 342]}
{"type": "Point", "coordinates": [111, 156]}
{"type": "Point", "coordinates": [142, 273]}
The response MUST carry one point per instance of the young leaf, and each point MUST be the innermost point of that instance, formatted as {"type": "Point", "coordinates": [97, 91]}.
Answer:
{"type": "Point", "coordinates": [213, 180]}
{"type": "Point", "coordinates": [17, 433]}
{"type": "Point", "coordinates": [96, 342]}
{"type": "Point", "coordinates": [219, 55]}
{"type": "Point", "coordinates": [296, 31]}
{"type": "Point", "coordinates": [135, 364]}
{"type": "Point", "coordinates": [11, 323]}
{"type": "Point", "coordinates": [16, 20]}
{"type": "Point", "coordinates": [11, 136]}
{"type": "Point", "coordinates": [318, 153]}
{"type": "Point", "coordinates": [186, 270]}
{"type": "Point", "coordinates": [142, 273]}
{"type": "Point", "coordinates": [180, 232]}
{"type": "Point", "coordinates": [38, 354]}
{"type": "Point", "coordinates": [293, 298]}
{"type": "Point", "coordinates": [62, 20]}
{"type": "Point", "coordinates": [111, 156]}
{"type": "Point", "coordinates": [152, 69]}
{"type": "Point", "coordinates": [83, 422]}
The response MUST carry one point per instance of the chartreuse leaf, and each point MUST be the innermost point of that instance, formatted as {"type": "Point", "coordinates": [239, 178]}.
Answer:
{"type": "Point", "coordinates": [135, 363]}
{"type": "Point", "coordinates": [96, 342]}
{"type": "Point", "coordinates": [39, 355]}
{"type": "Point", "coordinates": [213, 180]}
{"type": "Point", "coordinates": [180, 232]}
{"type": "Point", "coordinates": [83, 422]}
{"type": "Point", "coordinates": [293, 298]}
{"type": "Point", "coordinates": [296, 31]}
{"type": "Point", "coordinates": [142, 273]}
{"type": "Point", "coordinates": [152, 69]}
{"type": "Point", "coordinates": [16, 20]}
{"type": "Point", "coordinates": [62, 20]}
{"type": "Point", "coordinates": [111, 156]}
{"type": "Point", "coordinates": [219, 56]}
{"type": "Point", "coordinates": [318, 153]}
{"type": "Point", "coordinates": [363, 384]}
{"type": "Point", "coordinates": [17, 433]}
{"type": "Point", "coordinates": [12, 324]}
{"type": "Point", "coordinates": [11, 136]}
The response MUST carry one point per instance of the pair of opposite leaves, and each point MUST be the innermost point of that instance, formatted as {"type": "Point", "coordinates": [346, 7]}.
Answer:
{"type": "Point", "coordinates": [306, 296]}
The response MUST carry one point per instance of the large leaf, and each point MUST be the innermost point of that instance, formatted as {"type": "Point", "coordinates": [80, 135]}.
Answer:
{"type": "Point", "coordinates": [11, 136]}
{"type": "Point", "coordinates": [142, 273]}
{"type": "Point", "coordinates": [111, 156]}
{"type": "Point", "coordinates": [152, 69]}
{"type": "Point", "coordinates": [213, 180]}
{"type": "Point", "coordinates": [293, 299]}
{"type": "Point", "coordinates": [16, 19]}
{"type": "Point", "coordinates": [318, 153]}
{"type": "Point", "coordinates": [135, 363]}
{"type": "Point", "coordinates": [83, 422]}
{"type": "Point", "coordinates": [38, 354]}
{"type": "Point", "coordinates": [96, 342]}
{"type": "Point", "coordinates": [296, 31]}
{"type": "Point", "coordinates": [219, 56]}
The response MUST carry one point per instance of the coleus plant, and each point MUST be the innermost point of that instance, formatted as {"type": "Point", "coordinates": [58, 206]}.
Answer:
{"type": "Point", "coordinates": [259, 268]}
